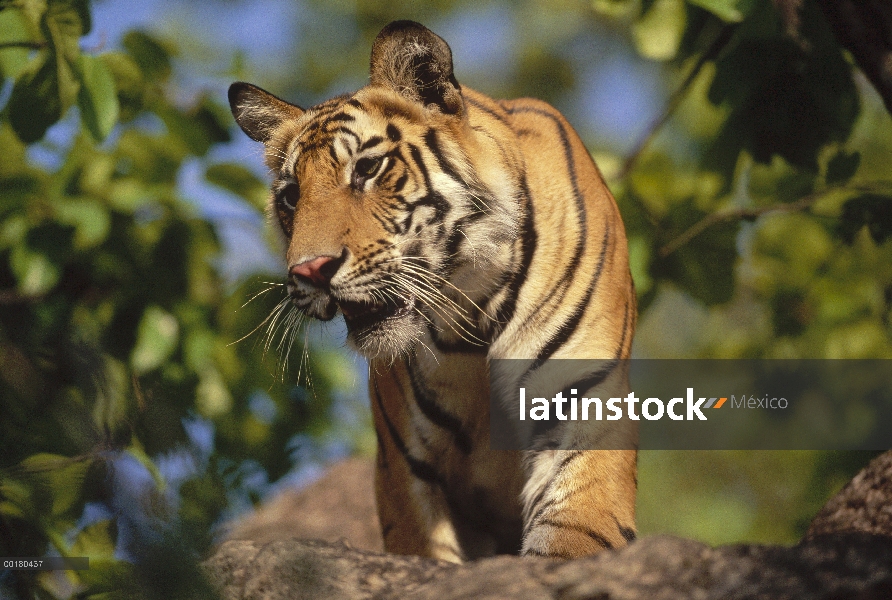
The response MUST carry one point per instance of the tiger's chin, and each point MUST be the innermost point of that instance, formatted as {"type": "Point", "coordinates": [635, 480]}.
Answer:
{"type": "Point", "coordinates": [382, 330]}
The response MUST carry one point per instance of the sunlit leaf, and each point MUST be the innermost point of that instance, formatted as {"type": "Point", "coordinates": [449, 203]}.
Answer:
{"type": "Point", "coordinates": [732, 11]}
{"type": "Point", "coordinates": [128, 81]}
{"type": "Point", "coordinates": [212, 396]}
{"type": "Point", "coordinates": [111, 383]}
{"type": "Point", "coordinates": [90, 219]}
{"type": "Point", "coordinates": [614, 8]}
{"type": "Point", "coordinates": [157, 338]}
{"type": "Point", "coordinates": [98, 100]}
{"type": "Point", "coordinates": [63, 26]}
{"type": "Point", "coordinates": [657, 34]}
{"type": "Point", "coordinates": [13, 29]}
{"type": "Point", "coordinates": [59, 479]}
{"type": "Point", "coordinates": [35, 272]}
{"type": "Point", "coordinates": [96, 540]}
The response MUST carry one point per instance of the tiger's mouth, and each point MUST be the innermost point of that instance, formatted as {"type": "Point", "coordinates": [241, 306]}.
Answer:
{"type": "Point", "coordinates": [363, 316]}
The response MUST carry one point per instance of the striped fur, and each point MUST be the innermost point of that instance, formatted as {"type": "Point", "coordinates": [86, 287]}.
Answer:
{"type": "Point", "coordinates": [455, 229]}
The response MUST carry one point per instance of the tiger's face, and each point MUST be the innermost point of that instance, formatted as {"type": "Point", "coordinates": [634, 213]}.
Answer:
{"type": "Point", "coordinates": [386, 217]}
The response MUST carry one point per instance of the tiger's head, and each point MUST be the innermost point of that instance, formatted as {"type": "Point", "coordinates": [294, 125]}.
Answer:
{"type": "Point", "coordinates": [397, 210]}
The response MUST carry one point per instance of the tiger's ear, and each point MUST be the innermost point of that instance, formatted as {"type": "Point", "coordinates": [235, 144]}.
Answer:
{"type": "Point", "coordinates": [258, 112]}
{"type": "Point", "coordinates": [416, 63]}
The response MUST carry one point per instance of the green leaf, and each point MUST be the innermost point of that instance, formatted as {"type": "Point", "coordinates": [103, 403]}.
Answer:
{"type": "Point", "coordinates": [59, 480]}
{"type": "Point", "coordinates": [98, 99]}
{"type": "Point", "coordinates": [152, 57]}
{"type": "Point", "coordinates": [732, 11]}
{"type": "Point", "coordinates": [36, 273]}
{"type": "Point", "coordinates": [785, 99]}
{"type": "Point", "coordinates": [112, 399]}
{"type": "Point", "coordinates": [109, 580]}
{"type": "Point", "coordinates": [34, 104]}
{"type": "Point", "coordinates": [156, 339]}
{"type": "Point", "coordinates": [704, 266]}
{"type": "Point", "coordinates": [842, 167]}
{"type": "Point", "coordinates": [13, 28]}
{"type": "Point", "coordinates": [871, 210]}
{"type": "Point", "coordinates": [90, 219]}
{"type": "Point", "coordinates": [128, 81]}
{"type": "Point", "coordinates": [63, 26]}
{"type": "Point", "coordinates": [239, 180]}
{"type": "Point", "coordinates": [199, 128]}
{"type": "Point", "coordinates": [212, 396]}
{"type": "Point", "coordinates": [96, 540]}
{"type": "Point", "coordinates": [614, 8]}
{"type": "Point", "coordinates": [658, 33]}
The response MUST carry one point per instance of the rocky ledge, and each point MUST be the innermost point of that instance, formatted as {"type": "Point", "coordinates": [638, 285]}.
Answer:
{"type": "Point", "coordinates": [846, 554]}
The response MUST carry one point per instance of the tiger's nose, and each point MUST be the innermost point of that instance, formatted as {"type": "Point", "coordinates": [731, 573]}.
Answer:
{"type": "Point", "coordinates": [319, 270]}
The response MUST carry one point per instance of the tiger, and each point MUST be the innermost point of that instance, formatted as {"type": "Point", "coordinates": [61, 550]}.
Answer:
{"type": "Point", "coordinates": [452, 230]}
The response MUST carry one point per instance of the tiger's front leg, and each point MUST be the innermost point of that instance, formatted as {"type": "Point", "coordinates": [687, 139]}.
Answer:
{"type": "Point", "coordinates": [578, 502]}
{"type": "Point", "coordinates": [414, 515]}
{"type": "Point", "coordinates": [441, 491]}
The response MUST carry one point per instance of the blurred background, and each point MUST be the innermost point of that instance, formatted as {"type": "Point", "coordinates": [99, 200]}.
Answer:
{"type": "Point", "coordinates": [152, 387]}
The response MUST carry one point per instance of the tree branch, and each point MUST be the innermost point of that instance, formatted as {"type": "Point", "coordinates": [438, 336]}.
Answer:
{"type": "Point", "coordinates": [803, 203]}
{"type": "Point", "coordinates": [721, 40]}
{"type": "Point", "coordinates": [8, 297]}
{"type": "Point", "coordinates": [28, 45]}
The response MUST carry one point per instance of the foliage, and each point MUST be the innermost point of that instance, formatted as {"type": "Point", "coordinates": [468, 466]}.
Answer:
{"type": "Point", "coordinates": [758, 221]}
{"type": "Point", "coordinates": [116, 329]}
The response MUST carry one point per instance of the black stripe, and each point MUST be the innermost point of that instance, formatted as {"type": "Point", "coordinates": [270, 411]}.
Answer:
{"type": "Point", "coordinates": [568, 327]}
{"type": "Point", "coordinates": [401, 182]}
{"type": "Point", "coordinates": [627, 532]}
{"type": "Point", "coordinates": [581, 529]}
{"type": "Point", "coordinates": [565, 462]}
{"type": "Point", "coordinates": [341, 116]}
{"type": "Point", "coordinates": [529, 240]}
{"type": "Point", "coordinates": [349, 132]}
{"type": "Point", "coordinates": [433, 197]}
{"type": "Point", "coordinates": [372, 141]}
{"type": "Point", "coordinates": [486, 109]}
{"type": "Point", "coordinates": [573, 455]}
{"type": "Point", "coordinates": [385, 530]}
{"type": "Point", "coordinates": [355, 103]}
{"type": "Point", "coordinates": [388, 225]}
{"type": "Point", "coordinates": [386, 169]}
{"type": "Point", "coordinates": [457, 346]}
{"type": "Point", "coordinates": [435, 413]}
{"type": "Point", "coordinates": [569, 158]}
{"type": "Point", "coordinates": [382, 451]}
{"type": "Point", "coordinates": [533, 552]}
{"type": "Point", "coordinates": [393, 132]}
{"type": "Point", "coordinates": [538, 514]}
{"type": "Point", "coordinates": [593, 379]}
{"type": "Point", "coordinates": [430, 139]}
{"type": "Point", "coordinates": [421, 469]}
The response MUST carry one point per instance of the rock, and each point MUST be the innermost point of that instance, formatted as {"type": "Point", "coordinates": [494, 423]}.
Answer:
{"type": "Point", "coordinates": [339, 505]}
{"type": "Point", "coordinates": [847, 554]}
{"type": "Point", "coordinates": [864, 504]}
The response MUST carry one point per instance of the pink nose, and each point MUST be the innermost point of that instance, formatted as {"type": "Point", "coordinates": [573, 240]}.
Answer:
{"type": "Point", "coordinates": [318, 271]}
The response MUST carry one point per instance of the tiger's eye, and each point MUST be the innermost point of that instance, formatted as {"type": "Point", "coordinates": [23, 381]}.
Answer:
{"type": "Point", "coordinates": [365, 169]}
{"type": "Point", "coordinates": [290, 195]}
